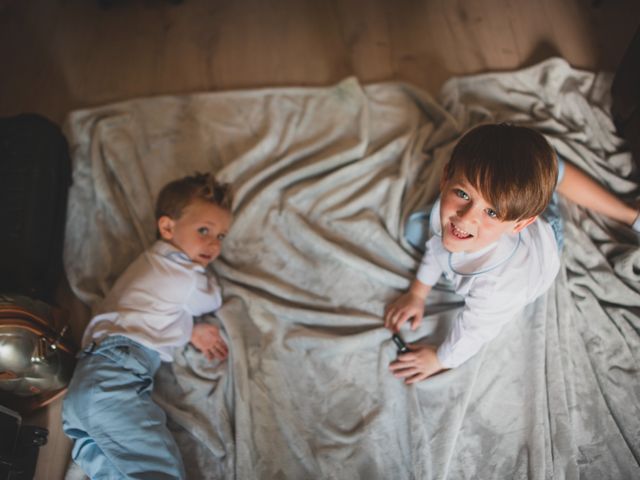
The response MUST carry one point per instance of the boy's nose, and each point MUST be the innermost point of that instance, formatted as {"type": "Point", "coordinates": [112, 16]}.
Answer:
{"type": "Point", "coordinates": [470, 214]}
{"type": "Point", "coordinates": [464, 210]}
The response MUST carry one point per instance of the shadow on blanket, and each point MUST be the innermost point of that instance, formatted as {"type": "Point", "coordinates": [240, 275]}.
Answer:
{"type": "Point", "coordinates": [325, 180]}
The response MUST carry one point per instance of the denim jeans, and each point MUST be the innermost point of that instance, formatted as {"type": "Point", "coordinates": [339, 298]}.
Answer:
{"type": "Point", "coordinates": [552, 212]}
{"type": "Point", "coordinates": [118, 430]}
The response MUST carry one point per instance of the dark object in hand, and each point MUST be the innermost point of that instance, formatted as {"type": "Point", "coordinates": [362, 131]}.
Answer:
{"type": "Point", "coordinates": [402, 347]}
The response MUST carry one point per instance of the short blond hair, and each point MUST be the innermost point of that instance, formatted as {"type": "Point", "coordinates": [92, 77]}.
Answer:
{"type": "Point", "coordinates": [176, 195]}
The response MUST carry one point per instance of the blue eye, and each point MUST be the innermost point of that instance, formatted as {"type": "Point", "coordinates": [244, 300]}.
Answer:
{"type": "Point", "coordinates": [203, 230]}
{"type": "Point", "coordinates": [461, 193]}
{"type": "Point", "coordinates": [492, 213]}
{"type": "Point", "coordinates": [221, 236]}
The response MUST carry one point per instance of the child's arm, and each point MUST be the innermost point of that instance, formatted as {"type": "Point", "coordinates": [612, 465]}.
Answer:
{"type": "Point", "coordinates": [409, 305]}
{"type": "Point", "coordinates": [206, 338]}
{"type": "Point", "coordinates": [484, 315]}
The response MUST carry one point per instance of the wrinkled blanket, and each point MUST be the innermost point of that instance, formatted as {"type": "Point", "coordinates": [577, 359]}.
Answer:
{"type": "Point", "coordinates": [325, 179]}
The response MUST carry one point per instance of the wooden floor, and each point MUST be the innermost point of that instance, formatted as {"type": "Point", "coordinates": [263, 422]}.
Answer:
{"type": "Point", "coordinates": [61, 55]}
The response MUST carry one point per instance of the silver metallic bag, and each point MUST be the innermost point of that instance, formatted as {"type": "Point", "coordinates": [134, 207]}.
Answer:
{"type": "Point", "coordinates": [36, 357]}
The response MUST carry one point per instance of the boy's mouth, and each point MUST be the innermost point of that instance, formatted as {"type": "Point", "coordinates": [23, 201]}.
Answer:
{"type": "Point", "coordinates": [458, 232]}
{"type": "Point", "coordinates": [206, 258]}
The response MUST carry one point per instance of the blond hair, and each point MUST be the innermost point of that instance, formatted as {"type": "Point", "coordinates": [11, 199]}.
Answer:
{"type": "Point", "coordinates": [176, 195]}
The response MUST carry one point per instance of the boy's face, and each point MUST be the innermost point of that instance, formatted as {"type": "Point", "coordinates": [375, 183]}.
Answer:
{"type": "Point", "coordinates": [198, 232]}
{"type": "Point", "coordinates": [469, 222]}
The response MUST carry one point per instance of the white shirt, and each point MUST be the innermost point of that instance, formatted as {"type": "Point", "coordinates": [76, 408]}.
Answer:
{"type": "Point", "coordinates": [155, 300]}
{"type": "Point", "coordinates": [496, 282]}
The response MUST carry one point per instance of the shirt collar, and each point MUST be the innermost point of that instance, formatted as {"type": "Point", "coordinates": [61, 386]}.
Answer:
{"type": "Point", "coordinates": [167, 250]}
{"type": "Point", "coordinates": [487, 259]}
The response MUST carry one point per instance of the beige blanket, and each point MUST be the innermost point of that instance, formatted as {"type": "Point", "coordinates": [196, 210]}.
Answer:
{"type": "Point", "coordinates": [325, 179]}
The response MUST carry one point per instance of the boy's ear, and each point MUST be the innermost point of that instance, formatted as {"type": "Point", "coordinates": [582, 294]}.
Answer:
{"type": "Point", "coordinates": [165, 227]}
{"type": "Point", "coordinates": [524, 223]}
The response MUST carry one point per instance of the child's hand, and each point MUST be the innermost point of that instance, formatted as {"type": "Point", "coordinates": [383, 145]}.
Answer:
{"type": "Point", "coordinates": [420, 363]}
{"type": "Point", "coordinates": [407, 306]}
{"type": "Point", "coordinates": [206, 338]}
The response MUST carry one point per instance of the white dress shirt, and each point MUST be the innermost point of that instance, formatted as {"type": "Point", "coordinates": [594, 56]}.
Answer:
{"type": "Point", "coordinates": [496, 282]}
{"type": "Point", "coordinates": [155, 300]}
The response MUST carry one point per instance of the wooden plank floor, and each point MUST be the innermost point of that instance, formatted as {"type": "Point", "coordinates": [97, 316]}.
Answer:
{"type": "Point", "coordinates": [59, 55]}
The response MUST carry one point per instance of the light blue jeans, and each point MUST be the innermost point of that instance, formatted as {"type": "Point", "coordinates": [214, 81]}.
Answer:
{"type": "Point", "coordinates": [118, 430]}
{"type": "Point", "coordinates": [552, 213]}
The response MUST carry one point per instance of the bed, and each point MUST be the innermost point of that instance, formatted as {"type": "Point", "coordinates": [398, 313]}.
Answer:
{"type": "Point", "coordinates": [325, 179]}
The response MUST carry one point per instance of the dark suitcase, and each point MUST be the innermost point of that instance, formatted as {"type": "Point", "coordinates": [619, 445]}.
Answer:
{"type": "Point", "coordinates": [36, 357]}
{"type": "Point", "coordinates": [35, 175]}
{"type": "Point", "coordinates": [19, 446]}
{"type": "Point", "coordinates": [625, 97]}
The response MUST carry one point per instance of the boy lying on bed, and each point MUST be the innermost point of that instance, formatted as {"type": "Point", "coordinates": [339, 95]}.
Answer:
{"type": "Point", "coordinates": [496, 235]}
{"type": "Point", "coordinates": [118, 431]}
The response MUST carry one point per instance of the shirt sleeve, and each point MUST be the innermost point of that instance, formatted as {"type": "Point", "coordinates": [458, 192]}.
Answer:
{"type": "Point", "coordinates": [205, 297]}
{"type": "Point", "coordinates": [487, 309]}
{"type": "Point", "coordinates": [429, 270]}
